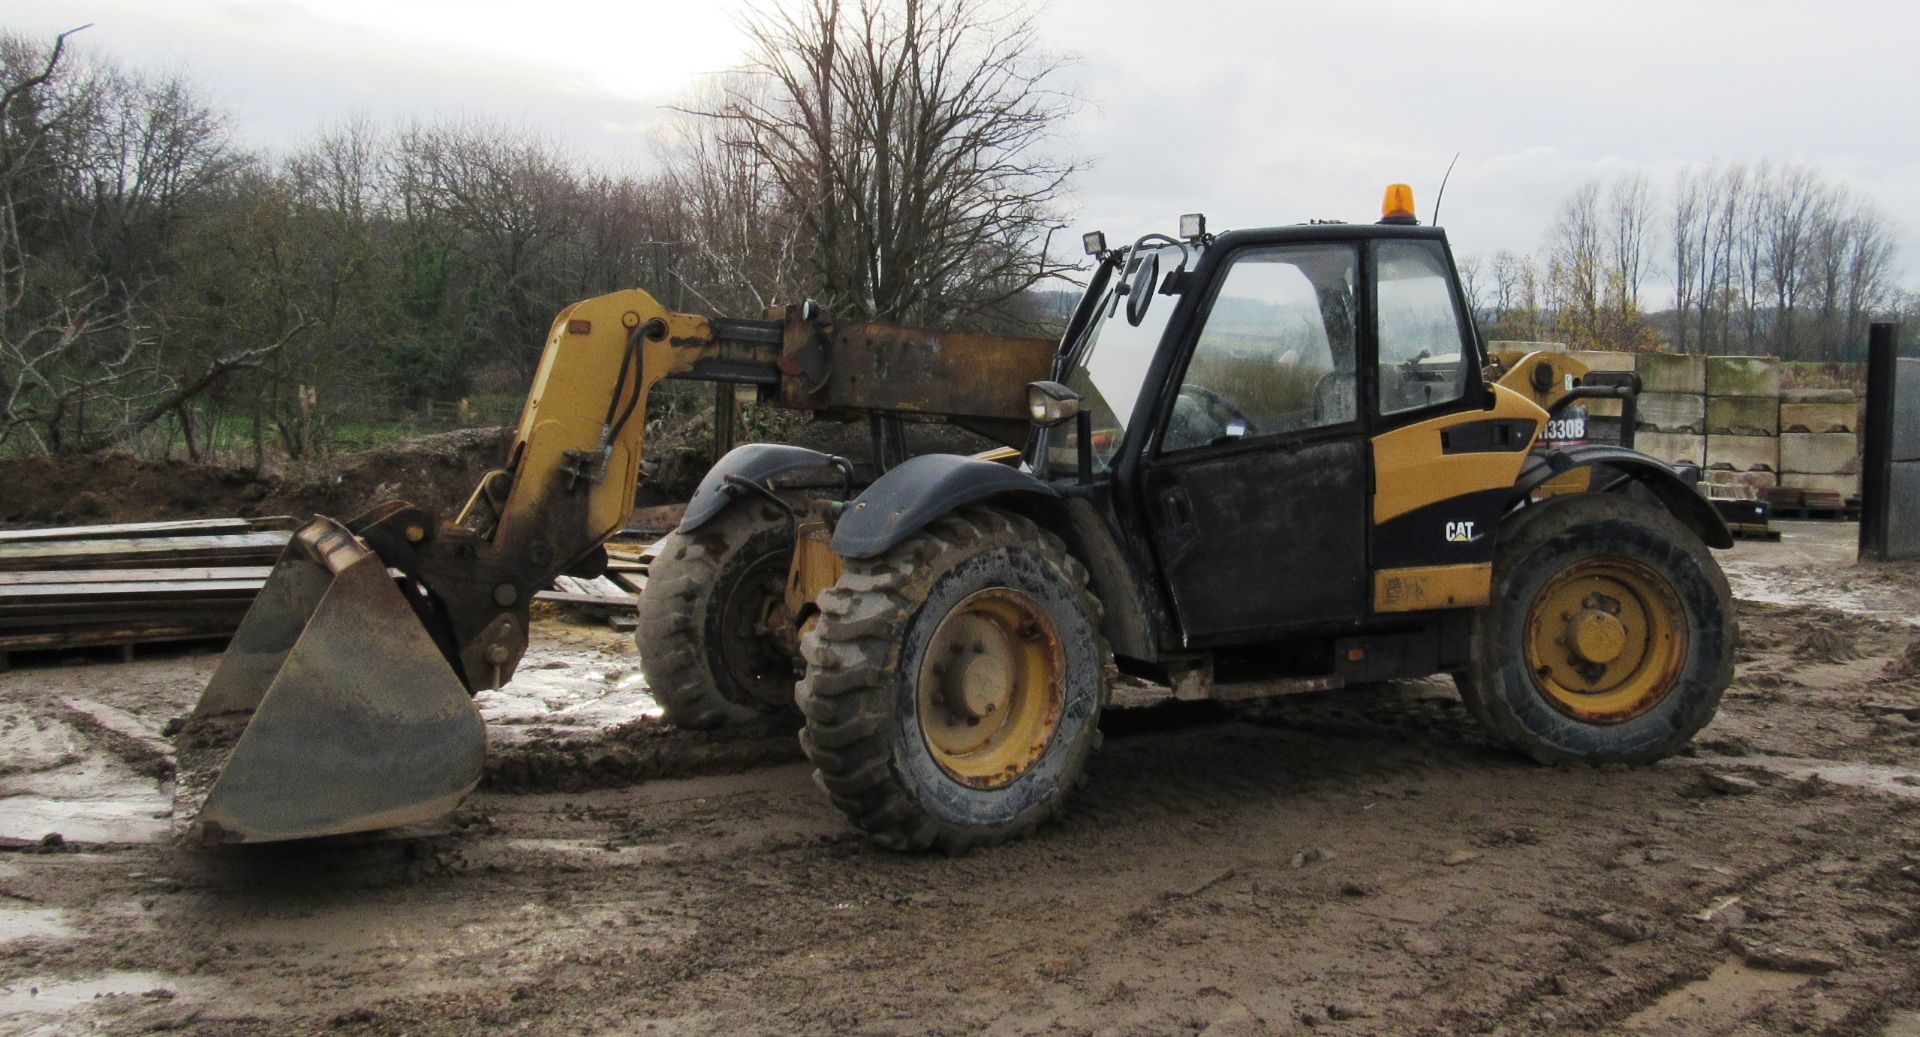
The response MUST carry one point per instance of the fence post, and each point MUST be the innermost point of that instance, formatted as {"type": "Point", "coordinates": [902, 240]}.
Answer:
{"type": "Point", "coordinates": [1876, 466]}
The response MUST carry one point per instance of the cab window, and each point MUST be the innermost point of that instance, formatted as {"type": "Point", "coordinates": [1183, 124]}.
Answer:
{"type": "Point", "coordinates": [1275, 356]}
{"type": "Point", "coordinates": [1424, 359]}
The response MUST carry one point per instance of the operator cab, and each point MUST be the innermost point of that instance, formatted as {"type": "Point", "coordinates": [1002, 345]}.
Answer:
{"type": "Point", "coordinates": [1236, 392]}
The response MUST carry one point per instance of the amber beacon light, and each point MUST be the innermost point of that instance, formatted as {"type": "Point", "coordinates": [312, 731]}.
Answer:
{"type": "Point", "coordinates": [1397, 207]}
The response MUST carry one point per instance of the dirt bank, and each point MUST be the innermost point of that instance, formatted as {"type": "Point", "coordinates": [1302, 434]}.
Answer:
{"type": "Point", "coordinates": [1359, 862]}
{"type": "Point", "coordinates": [437, 471]}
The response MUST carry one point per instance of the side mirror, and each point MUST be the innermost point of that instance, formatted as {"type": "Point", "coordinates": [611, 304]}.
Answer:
{"type": "Point", "coordinates": [1050, 403]}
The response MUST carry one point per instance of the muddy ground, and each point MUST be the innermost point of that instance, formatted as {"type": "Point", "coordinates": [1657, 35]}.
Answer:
{"type": "Point", "coordinates": [1352, 863]}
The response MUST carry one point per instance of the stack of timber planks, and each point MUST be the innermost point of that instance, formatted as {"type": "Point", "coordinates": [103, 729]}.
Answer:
{"type": "Point", "coordinates": [134, 583]}
{"type": "Point", "coordinates": [144, 582]}
{"type": "Point", "coordinates": [615, 595]}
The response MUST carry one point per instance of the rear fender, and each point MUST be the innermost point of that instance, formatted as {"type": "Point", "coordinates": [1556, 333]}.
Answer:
{"type": "Point", "coordinates": [754, 463]}
{"type": "Point", "coordinates": [1656, 477]}
{"type": "Point", "coordinates": [915, 493]}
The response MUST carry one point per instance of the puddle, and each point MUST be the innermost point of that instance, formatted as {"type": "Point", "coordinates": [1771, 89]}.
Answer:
{"type": "Point", "coordinates": [28, 923]}
{"type": "Point", "coordinates": [93, 800]}
{"type": "Point", "coordinates": [569, 687]}
{"type": "Point", "coordinates": [58, 995]}
{"type": "Point", "coordinates": [1893, 781]}
{"type": "Point", "coordinates": [1767, 589]}
{"type": "Point", "coordinates": [130, 820]}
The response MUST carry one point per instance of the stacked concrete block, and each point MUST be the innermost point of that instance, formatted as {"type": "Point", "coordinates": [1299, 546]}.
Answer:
{"type": "Point", "coordinates": [1603, 360]}
{"type": "Point", "coordinates": [1670, 415]}
{"type": "Point", "coordinates": [1819, 441]}
{"type": "Point", "coordinates": [1743, 420]}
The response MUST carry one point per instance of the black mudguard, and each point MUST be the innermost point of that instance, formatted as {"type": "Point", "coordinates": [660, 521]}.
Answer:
{"type": "Point", "coordinates": [1657, 477]}
{"type": "Point", "coordinates": [755, 463]}
{"type": "Point", "coordinates": [913, 494]}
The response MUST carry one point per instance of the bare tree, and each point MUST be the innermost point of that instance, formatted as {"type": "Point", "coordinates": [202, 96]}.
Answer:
{"type": "Point", "coordinates": [1576, 265]}
{"type": "Point", "coordinates": [909, 143]}
{"type": "Point", "coordinates": [1689, 213]}
{"type": "Point", "coordinates": [1629, 210]}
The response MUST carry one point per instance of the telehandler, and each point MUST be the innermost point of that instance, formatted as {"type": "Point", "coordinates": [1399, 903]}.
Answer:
{"type": "Point", "coordinates": [1256, 461]}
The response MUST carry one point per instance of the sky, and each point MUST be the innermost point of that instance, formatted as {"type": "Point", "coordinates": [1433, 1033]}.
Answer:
{"type": "Point", "coordinates": [1256, 113]}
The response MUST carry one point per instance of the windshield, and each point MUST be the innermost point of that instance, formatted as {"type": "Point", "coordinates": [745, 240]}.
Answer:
{"type": "Point", "coordinates": [1110, 362]}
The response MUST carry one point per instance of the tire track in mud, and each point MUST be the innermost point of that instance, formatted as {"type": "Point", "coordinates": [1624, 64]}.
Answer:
{"type": "Point", "coordinates": [1656, 964]}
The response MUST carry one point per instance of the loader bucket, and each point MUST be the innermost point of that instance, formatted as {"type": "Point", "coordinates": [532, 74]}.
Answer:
{"type": "Point", "coordinates": [332, 711]}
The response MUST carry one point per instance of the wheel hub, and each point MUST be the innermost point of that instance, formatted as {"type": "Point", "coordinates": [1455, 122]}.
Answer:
{"type": "Point", "coordinates": [991, 687]}
{"type": "Point", "coordinates": [1606, 640]}
{"type": "Point", "coordinates": [1596, 636]}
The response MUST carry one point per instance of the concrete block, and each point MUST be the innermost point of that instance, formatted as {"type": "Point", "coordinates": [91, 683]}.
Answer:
{"type": "Point", "coordinates": [1602, 359]}
{"type": "Point", "coordinates": [1672, 447]}
{"type": "Point", "coordinates": [1906, 411]}
{"type": "Point", "coordinates": [1670, 412]}
{"type": "Point", "coordinates": [1749, 482]}
{"type": "Point", "coordinates": [1671, 373]}
{"type": "Point", "coordinates": [1844, 485]}
{"type": "Point", "coordinates": [1820, 453]}
{"type": "Point", "coordinates": [1903, 533]}
{"type": "Point", "coordinates": [1743, 453]}
{"type": "Point", "coordinates": [1743, 376]}
{"type": "Point", "coordinates": [1602, 429]}
{"type": "Point", "coordinates": [1816, 396]}
{"type": "Point", "coordinates": [1743, 415]}
{"type": "Point", "coordinates": [1819, 417]}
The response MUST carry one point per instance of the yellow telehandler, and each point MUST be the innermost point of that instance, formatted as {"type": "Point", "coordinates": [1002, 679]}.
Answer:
{"type": "Point", "coordinates": [1263, 459]}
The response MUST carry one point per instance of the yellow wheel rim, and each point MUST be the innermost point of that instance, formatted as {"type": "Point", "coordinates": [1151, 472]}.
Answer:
{"type": "Point", "coordinates": [991, 688]}
{"type": "Point", "coordinates": [1606, 640]}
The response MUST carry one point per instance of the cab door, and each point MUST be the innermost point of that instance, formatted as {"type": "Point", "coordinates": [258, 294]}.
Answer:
{"type": "Point", "coordinates": [1443, 463]}
{"type": "Point", "coordinates": [1256, 485]}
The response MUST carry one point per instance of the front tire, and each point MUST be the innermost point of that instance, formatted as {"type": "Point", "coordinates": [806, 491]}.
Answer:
{"type": "Point", "coordinates": [706, 645]}
{"type": "Point", "coordinates": [954, 685]}
{"type": "Point", "coordinates": [1610, 636]}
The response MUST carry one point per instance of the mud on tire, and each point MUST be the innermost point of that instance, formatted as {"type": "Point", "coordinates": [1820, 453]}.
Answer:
{"type": "Point", "coordinates": [862, 700]}
{"type": "Point", "coordinates": [705, 590]}
{"type": "Point", "coordinates": [1556, 541]}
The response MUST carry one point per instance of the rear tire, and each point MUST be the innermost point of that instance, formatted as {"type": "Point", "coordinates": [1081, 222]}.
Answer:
{"type": "Point", "coordinates": [954, 685]}
{"type": "Point", "coordinates": [1610, 636]}
{"type": "Point", "coordinates": [706, 593]}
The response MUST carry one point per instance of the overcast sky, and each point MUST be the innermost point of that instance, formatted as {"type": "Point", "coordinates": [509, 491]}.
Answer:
{"type": "Point", "coordinates": [1253, 112]}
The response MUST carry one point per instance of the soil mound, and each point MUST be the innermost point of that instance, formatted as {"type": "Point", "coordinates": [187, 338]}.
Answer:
{"type": "Point", "coordinates": [436, 472]}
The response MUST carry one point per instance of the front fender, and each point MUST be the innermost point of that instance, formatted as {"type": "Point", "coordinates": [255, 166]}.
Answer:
{"type": "Point", "coordinates": [1658, 478]}
{"type": "Point", "coordinates": [755, 463]}
{"type": "Point", "coordinates": [913, 494]}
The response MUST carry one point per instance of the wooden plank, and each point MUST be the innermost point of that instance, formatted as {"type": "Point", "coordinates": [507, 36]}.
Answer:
{"type": "Point", "coordinates": [109, 636]}
{"type": "Point", "coordinates": [158, 551]}
{"type": "Point", "coordinates": [128, 530]}
{"type": "Point", "coordinates": [603, 586]}
{"type": "Point", "coordinates": [130, 591]}
{"type": "Point", "coordinates": [590, 600]}
{"type": "Point", "coordinates": [184, 573]}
